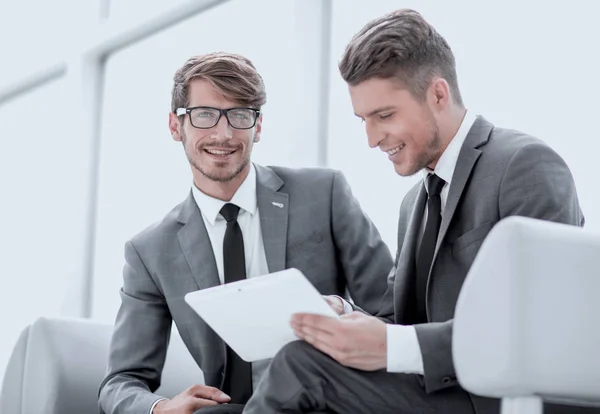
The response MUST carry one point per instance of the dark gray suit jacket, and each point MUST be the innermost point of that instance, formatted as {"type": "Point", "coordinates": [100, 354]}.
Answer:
{"type": "Point", "coordinates": [320, 230]}
{"type": "Point", "coordinates": [499, 173]}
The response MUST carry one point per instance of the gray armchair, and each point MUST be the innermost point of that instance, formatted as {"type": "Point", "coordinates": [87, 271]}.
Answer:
{"type": "Point", "coordinates": [57, 366]}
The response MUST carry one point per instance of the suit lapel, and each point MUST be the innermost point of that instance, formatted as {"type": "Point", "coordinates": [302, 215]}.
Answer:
{"type": "Point", "coordinates": [273, 208]}
{"type": "Point", "coordinates": [196, 245]}
{"type": "Point", "coordinates": [197, 249]}
{"type": "Point", "coordinates": [469, 154]}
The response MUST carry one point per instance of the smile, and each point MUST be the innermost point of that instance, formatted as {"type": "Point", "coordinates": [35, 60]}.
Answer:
{"type": "Point", "coordinates": [395, 150]}
{"type": "Point", "coordinates": [220, 152]}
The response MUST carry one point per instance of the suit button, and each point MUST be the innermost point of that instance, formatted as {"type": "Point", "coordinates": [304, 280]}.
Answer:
{"type": "Point", "coordinates": [446, 380]}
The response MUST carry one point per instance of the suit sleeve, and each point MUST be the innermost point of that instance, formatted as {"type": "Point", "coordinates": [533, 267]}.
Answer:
{"type": "Point", "coordinates": [364, 257]}
{"type": "Point", "coordinates": [386, 307]}
{"type": "Point", "coordinates": [536, 183]}
{"type": "Point", "coordinates": [139, 342]}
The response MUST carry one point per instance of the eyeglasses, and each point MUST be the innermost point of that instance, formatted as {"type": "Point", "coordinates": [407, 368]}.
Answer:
{"type": "Point", "coordinates": [205, 117]}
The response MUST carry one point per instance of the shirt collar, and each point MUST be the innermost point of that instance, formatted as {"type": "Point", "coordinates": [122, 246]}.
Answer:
{"type": "Point", "coordinates": [447, 163]}
{"type": "Point", "coordinates": [244, 198]}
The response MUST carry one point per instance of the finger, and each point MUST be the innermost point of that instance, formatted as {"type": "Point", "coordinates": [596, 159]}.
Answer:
{"type": "Point", "coordinates": [335, 328]}
{"type": "Point", "coordinates": [355, 315]}
{"type": "Point", "coordinates": [333, 302]}
{"type": "Point", "coordinates": [298, 332]}
{"type": "Point", "coordinates": [211, 393]}
{"type": "Point", "coordinates": [315, 335]}
{"type": "Point", "coordinates": [324, 323]}
{"type": "Point", "coordinates": [308, 318]}
{"type": "Point", "coordinates": [303, 331]}
{"type": "Point", "coordinates": [299, 328]}
{"type": "Point", "coordinates": [337, 304]}
{"type": "Point", "coordinates": [197, 403]}
{"type": "Point", "coordinates": [328, 348]}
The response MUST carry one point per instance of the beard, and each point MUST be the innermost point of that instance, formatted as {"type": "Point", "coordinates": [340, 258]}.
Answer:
{"type": "Point", "coordinates": [433, 149]}
{"type": "Point", "coordinates": [219, 173]}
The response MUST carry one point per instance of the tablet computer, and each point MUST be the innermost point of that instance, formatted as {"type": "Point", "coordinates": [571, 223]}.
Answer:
{"type": "Point", "coordinates": [253, 315]}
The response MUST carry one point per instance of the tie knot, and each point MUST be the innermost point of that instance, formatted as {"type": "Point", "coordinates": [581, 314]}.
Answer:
{"type": "Point", "coordinates": [230, 212]}
{"type": "Point", "coordinates": [435, 185]}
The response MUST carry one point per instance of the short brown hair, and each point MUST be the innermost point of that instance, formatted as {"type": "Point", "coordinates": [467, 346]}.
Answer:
{"type": "Point", "coordinates": [404, 46]}
{"type": "Point", "coordinates": [233, 75]}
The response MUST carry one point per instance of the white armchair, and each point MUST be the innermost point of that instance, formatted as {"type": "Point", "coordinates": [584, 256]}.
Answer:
{"type": "Point", "coordinates": [57, 366]}
{"type": "Point", "coordinates": [527, 322]}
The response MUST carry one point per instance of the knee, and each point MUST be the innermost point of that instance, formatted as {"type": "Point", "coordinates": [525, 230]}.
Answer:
{"type": "Point", "coordinates": [296, 353]}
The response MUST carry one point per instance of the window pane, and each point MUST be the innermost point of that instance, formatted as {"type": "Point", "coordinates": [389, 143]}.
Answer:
{"type": "Point", "coordinates": [34, 32]}
{"type": "Point", "coordinates": [143, 172]}
{"type": "Point", "coordinates": [123, 9]}
{"type": "Point", "coordinates": [41, 210]}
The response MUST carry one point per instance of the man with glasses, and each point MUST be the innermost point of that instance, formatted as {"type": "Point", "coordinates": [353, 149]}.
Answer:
{"type": "Point", "coordinates": [239, 220]}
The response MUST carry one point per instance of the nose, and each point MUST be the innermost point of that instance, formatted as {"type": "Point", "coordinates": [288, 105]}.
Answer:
{"type": "Point", "coordinates": [373, 135]}
{"type": "Point", "coordinates": [223, 129]}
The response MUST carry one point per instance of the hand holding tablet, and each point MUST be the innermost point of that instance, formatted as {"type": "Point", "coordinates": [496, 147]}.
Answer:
{"type": "Point", "coordinates": [253, 315]}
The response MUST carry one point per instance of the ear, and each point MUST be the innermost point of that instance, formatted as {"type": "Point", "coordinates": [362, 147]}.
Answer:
{"type": "Point", "coordinates": [258, 128]}
{"type": "Point", "coordinates": [174, 126]}
{"type": "Point", "coordinates": [439, 94]}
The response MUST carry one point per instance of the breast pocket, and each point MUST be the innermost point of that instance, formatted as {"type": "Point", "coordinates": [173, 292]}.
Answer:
{"type": "Point", "coordinates": [472, 236]}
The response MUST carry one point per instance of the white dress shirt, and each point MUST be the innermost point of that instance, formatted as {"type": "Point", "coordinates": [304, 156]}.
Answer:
{"type": "Point", "coordinates": [403, 350]}
{"type": "Point", "coordinates": [254, 250]}
{"type": "Point", "coordinates": [248, 219]}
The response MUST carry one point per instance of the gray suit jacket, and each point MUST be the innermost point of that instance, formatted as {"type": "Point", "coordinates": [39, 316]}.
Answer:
{"type": "Point", "coordinates": [499, 173]}
{"type": "Point", "coordinates": [320, 230]}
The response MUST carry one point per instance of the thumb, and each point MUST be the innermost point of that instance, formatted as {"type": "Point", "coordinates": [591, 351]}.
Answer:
{"type": "Point", "coordinates": [352, 316]}
{"type": "Point", "coordinates": [211, 393]}
{"type": "Point", "coordinates": [197, 402]}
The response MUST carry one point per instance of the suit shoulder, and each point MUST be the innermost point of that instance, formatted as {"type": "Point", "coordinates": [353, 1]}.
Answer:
{"type": "Point", "coordinates": [510, 150]}
{"type": "Point", "coordinates": [305, 176]}
{"type": "Point", "coordinates": [161, 229]}
{"type": "Point", "coordinates": [506, 143]}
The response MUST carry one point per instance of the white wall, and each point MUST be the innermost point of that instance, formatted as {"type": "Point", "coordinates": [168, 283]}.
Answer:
{"type": "Point", "coordinates": [41, 210]}
{"type": "Point", "coordinates": [37, 31]}
{"type": "Point", "coordinates": [519, 66]}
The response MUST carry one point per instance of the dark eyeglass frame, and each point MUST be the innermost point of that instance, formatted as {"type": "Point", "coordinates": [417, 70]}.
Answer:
{"type": "Point", "coordinates": [183, 111]}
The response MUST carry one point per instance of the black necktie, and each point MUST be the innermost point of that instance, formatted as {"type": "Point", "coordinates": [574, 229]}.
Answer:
{"type": "Point", "coordinates": [432, 228]}
{"type": "Point", "coordinates": [238, 373]}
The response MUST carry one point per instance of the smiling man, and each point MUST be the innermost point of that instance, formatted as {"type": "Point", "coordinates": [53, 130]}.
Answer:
{"type": "Point", "coordinates": [239, 220]}
{"type": "Point", "coordinates": [402, 80]}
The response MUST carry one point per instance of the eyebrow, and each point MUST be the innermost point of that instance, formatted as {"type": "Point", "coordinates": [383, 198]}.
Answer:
{"type": "Point", "coordinates": [385, 108]}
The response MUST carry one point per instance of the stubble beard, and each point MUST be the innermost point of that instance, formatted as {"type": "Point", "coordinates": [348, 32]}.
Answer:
{"type": "Point", "coordinates": [223, 177]}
